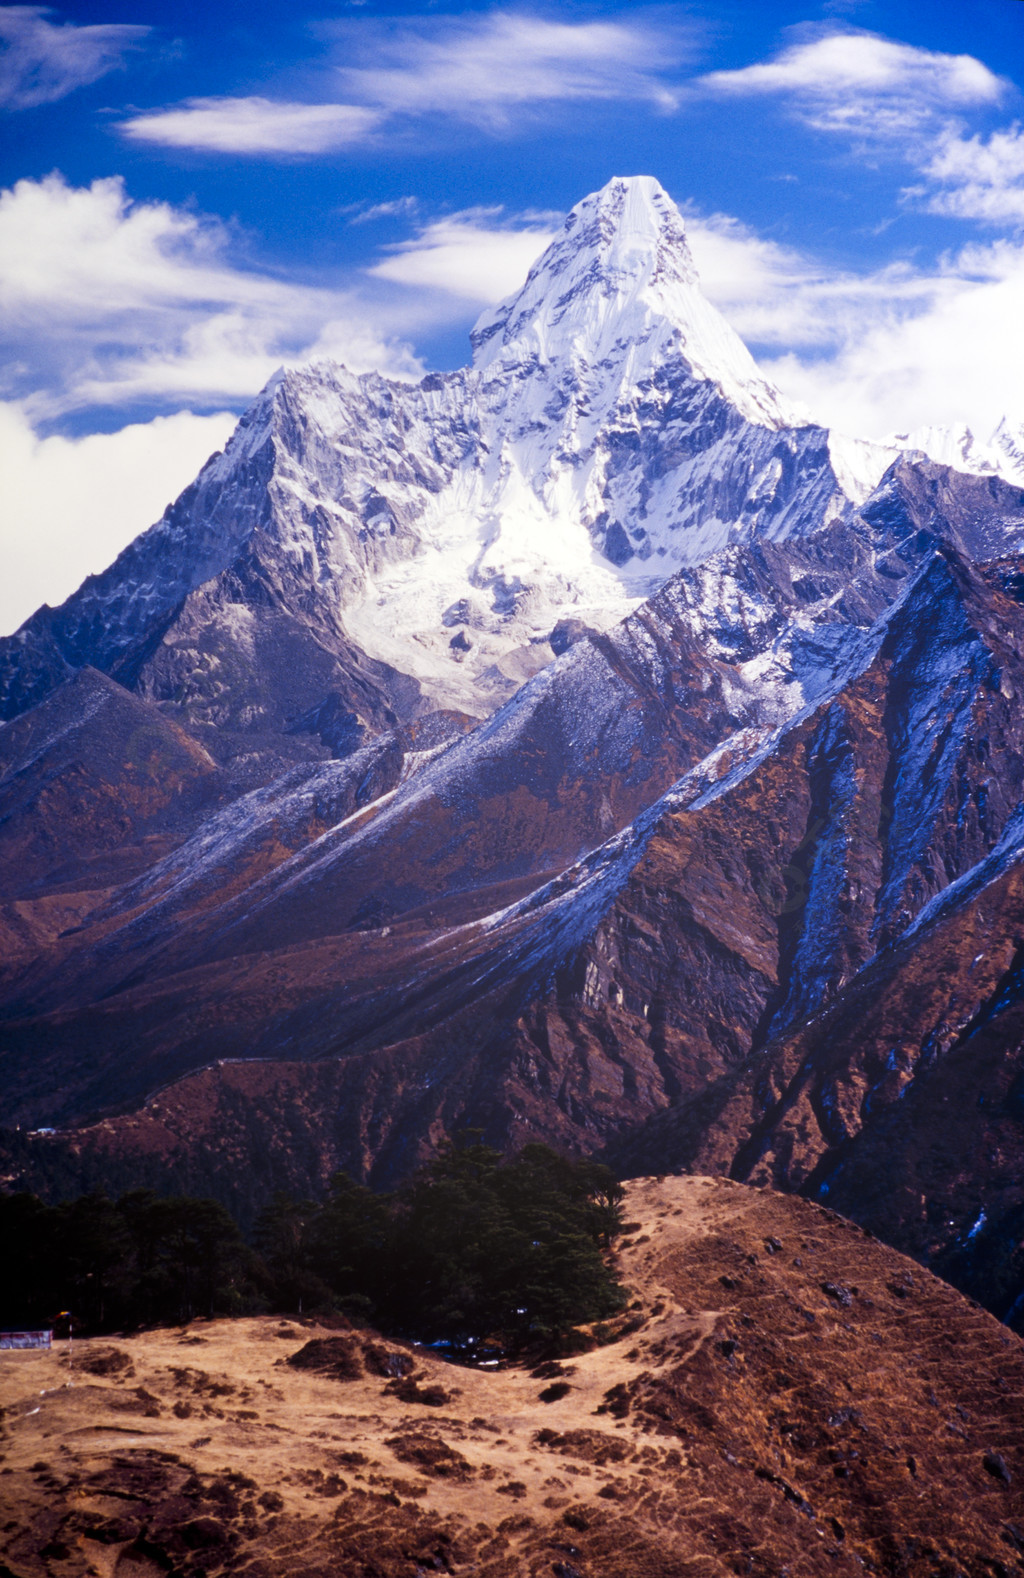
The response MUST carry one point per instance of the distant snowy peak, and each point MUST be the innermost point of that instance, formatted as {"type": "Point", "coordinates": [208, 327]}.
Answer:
{"type": "Point", "coordinates": [1008, 443]}
{"type": "Point", "coordinates": [618, 291]}
{"type": "Point", "coordinates": [1001, 455]}
{"type": "Point", "coordinates": [859, 464]}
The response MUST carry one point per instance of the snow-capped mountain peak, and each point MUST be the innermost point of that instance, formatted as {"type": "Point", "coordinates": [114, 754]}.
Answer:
{"type": "Point", "coordinates": [1000, 455]}
{"type": "Point", "coordinates": [458, 533]}
{"type": "Point", "coordinates": [622, 242]}
{"type": "Point", "coordinates": [617, 289]}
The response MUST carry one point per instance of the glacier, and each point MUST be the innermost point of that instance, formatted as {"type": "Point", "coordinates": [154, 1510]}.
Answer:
{"type": "Point", "coordinates": [443, 541]}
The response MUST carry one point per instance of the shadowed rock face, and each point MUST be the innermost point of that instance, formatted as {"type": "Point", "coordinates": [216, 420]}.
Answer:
{"type": "Point", "coordinates": [785, 967]}
{"type": "Point", "coordinates": [94, 785]}
{"type": "Point", "coordinates": [785, 1395]}
{"type": "Point", "coordinates": [729, 882]}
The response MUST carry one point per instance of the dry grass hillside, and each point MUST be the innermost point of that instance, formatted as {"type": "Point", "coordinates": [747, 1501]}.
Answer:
{"type": "Point", "coordinates": [792, 1398]}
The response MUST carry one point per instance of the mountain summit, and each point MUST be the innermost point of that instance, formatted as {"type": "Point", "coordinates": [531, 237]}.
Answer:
{"type": "Point", "coordinates": [552, 748]}
{"type": "Point", "coordinates": [618, 289]}
{"type": "Point", "coordinates": [611, 429]}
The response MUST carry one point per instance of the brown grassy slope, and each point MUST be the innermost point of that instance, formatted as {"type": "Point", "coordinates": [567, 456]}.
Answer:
{"type": "Point", "coordinates": [798, 1399]}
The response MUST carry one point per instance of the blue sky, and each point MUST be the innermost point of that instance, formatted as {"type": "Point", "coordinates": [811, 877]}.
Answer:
{"type": "Point", "coordinates": [193, 194]}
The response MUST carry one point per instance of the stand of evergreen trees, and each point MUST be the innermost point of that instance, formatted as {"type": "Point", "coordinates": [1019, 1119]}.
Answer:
{"type": "Point", "coordinates": [116, 1265]}
{"type": "Point", "coordinates": [472, 1247]}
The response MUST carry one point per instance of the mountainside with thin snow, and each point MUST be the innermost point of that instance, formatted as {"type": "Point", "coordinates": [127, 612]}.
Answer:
{"type": "Point", "coordinates": [571, 746]}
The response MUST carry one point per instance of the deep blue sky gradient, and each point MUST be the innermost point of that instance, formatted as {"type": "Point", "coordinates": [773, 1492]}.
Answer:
{"type": "Point", "coordinates": [872, 256]}
{"type": "Point", "coordinates": [747, 158]}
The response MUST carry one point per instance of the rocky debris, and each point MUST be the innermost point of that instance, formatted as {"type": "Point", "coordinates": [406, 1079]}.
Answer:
{"type": "Point", "coordinates": [555, 1392]}
{"type": "Point", "coordinates": [353, 1355]}
{"type": "Point", "coordinates": [995, 1464]}
{"type": "Point", "coordinates": [748, 1444]}
{"type": "Point", "coordinates": [409, 1390]}
{"type": "Point", "coordinates": [339, 1357]}
{"type": "Point", "coordinates": [431, 1455]}
{"type": "Point", "coordinates": [101, 1360]}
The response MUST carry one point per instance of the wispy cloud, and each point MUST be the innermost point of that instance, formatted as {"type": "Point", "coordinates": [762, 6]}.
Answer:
{"type": "Point", "coordinates": [484, 68]}
{"type": "Point", "coordinates": [42, 61]}
{"type": "Point", "coordinates": [469, 255]}
{"type": "Point", "coordinates": [108, 303]}
{"type": "Point", "coordinates": [912, 104]}
{"type": "Point", "coordinates": [874, 352]}
{"type": "Point", "coordinates": [975, 177]}
{"type": "Point", "coordinates": [778, 297]}
{"type": "Point", "coordinates": [397, 207]}
{"type": "Point", "coordinates": [488, 69]}
{"type": "Point", "coordinates": [864, 84]}
{"type": "Point", "coordinates": [255, 125]}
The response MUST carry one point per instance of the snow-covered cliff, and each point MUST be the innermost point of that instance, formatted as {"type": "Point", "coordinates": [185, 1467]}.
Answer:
{"type": "Point", "coordinates": [460, 532]}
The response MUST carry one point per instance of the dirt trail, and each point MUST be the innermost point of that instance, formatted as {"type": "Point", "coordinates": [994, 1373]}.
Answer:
{"type": "Point", "coordinates": [791, 1397]}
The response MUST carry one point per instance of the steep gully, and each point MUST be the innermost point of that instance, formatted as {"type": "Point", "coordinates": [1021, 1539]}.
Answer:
{"type": "Point", "coordinates": [730, 882]}
{"type": "Point", "coordinates": [681, 970]}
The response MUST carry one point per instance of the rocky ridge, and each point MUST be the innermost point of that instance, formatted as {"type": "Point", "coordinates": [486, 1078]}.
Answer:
{"type": "Point", "coordinates": [292, 882]}
{"type": "Point", "coordinates": [785, 1394]}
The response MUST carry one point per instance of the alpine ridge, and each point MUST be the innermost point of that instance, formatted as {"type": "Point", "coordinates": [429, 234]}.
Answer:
{"type": "Point", "coordinates": [575, 746]}
{"type": "Point", "coordinates": [611, 429]}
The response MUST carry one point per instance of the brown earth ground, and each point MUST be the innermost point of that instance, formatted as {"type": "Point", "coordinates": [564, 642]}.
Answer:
{"type": "Point", "coordinates": [786, 1396]}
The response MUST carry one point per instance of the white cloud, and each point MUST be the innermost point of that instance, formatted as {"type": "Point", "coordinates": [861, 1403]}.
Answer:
{"type": "Point", "coordinates": [864, 84]}
{"type": "Point", "coordinates": [70, 505]}
{"type": "Point", "coordinates": [105, 302]}
{"type": "Point", "coordinates": [977, 178]}
{"type": "Point", "coordinates": [776, 296]}
{"type": "Point", "coordinates": [482, 68]}
{"type": "Point", "coordinates": [467, 257]}
{"type": "Point", "coordinates": [255, 125]}
{"type": "Point", "coordinates": [873, 353]}
{"type": "Point", "coordinates": [910, 102]}
{"type": "Point", "coordinates": [41, 62]}
{"type": "Point", "coordinates": [390, 210]}
{"type": "Point", "coordinates": [479, 68]}
{"type": "Point", "coordinates": [925, 369]}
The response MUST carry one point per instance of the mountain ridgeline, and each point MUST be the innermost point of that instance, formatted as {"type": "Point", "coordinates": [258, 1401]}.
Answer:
{"type": "Point", "coordinates": [577, 747]}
